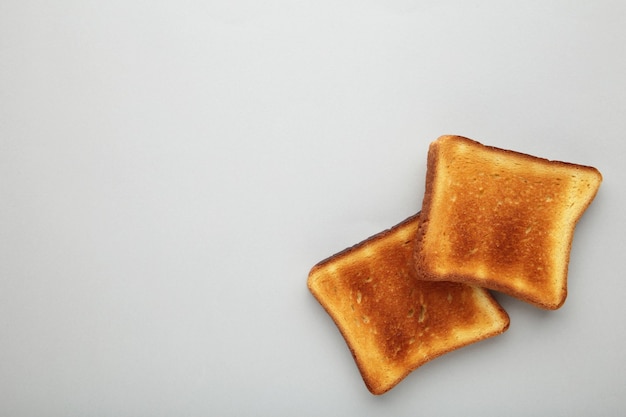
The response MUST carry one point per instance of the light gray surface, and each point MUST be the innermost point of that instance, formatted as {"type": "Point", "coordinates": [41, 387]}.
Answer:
{"type": "Point", "coordinates": [169, 172]}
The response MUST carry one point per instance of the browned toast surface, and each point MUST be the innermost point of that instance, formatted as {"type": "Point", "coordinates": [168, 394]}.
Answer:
{"type": "Point", "coordinates": [392, 321]}
{"type": "Point", "coordinates": [501, 219]}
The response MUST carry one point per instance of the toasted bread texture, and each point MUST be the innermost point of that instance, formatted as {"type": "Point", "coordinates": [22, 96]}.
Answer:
{"type": "Point", "coordinates": [500, 219]}
{"type": "Point", "coordinates": [392, 321]}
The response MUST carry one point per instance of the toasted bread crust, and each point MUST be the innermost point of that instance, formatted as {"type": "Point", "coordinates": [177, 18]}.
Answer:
{"type": "Point", "coordinates": [393, 322]}
{"type": "Point", "coordinates": [501, 219]}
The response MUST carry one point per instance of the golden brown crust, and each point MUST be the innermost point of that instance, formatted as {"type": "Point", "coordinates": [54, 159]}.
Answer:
{"type": "Point", "coordinates": [392, 321]}
{"type": "Point", "coordinates": [501, 219]}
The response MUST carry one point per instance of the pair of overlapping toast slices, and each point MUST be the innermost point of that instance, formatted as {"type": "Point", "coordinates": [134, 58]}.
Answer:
{"type": "Point", "coordinates": [491, 219]}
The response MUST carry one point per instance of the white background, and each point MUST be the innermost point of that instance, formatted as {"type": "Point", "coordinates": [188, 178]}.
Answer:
{"type": "Point", "coordinates": [171, 170]}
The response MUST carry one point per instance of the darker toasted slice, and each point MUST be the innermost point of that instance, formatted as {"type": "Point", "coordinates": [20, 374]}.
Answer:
{"type": "Point", "coordinates": [392, 321]}
{"type": "Point", "coordinates": [501, 219]}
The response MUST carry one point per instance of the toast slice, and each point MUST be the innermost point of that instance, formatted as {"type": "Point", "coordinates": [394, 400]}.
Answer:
{"type": "Point", "coordinates": [392, 321]}
{"type": "Point", "coordinates": [500, 219]}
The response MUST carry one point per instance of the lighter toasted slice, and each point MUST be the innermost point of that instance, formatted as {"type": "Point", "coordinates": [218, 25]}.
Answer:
{"type": "Point", "coordinates": [391, 321]}
{"type": "Point", "coordinates": [501, 219]}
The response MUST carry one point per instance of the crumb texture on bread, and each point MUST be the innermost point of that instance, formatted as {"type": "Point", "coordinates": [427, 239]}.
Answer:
{"type": "Point", "coordinates": [392, 321]}
{"type": "Point", "coordinates": [501, 219]}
